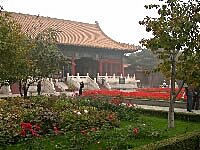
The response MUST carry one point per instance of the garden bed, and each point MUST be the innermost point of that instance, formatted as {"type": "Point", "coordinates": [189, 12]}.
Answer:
{"type": "Point", "coordinates": [95, 122]}
{"type": "Point", "coordinates": [148, 93]}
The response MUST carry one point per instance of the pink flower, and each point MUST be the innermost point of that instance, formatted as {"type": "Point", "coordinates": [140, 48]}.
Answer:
{"type": "Point", "coordinates": [135, 131]}
{"type": "Point", "coordinates": [110, 117]}
{"type": "Point", "coordinates": [55, 129]}
{"type": "Point", "coordinates": [37, 127]}
{"type": "Point", "coordinates": [133, 105]}
{"type": "Point", "coordinates": [128, 104]}
{"type": "Point", "coordinates": [22, 123]}
{"type": "Point", "coordinates": [93, 129]}
{"type": "Point", "coordinates": [84, 132]}
{"type": "Point", "coordinates": [22, 132]}
{"type": "Point", "coordinates": [36, 134]}
{"type": "Point", "coordinates": [33, 131]}
{"type": "Point", "coordinates": [28, 126]}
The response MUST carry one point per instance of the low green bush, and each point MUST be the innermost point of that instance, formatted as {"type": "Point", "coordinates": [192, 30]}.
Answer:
{"type": "Point", "coordinates": [189, 141]}
{"type": "Point", "coordinates": [178, 115]}
{"type": "Point", "coordinates": [125, 110]}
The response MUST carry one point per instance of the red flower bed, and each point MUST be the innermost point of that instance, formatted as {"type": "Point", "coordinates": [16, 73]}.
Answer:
{"type": "Point", "coordinates": [165, 90]}
{"type": "Point", "coordinates": [150, 93]}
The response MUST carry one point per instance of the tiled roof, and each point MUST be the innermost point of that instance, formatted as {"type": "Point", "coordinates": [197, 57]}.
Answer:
{"type": "Point", "coordinates": [71, 32]}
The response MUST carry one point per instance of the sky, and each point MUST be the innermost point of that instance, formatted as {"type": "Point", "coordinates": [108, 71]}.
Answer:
{"type": "Point", "coordinates": [119, 19]}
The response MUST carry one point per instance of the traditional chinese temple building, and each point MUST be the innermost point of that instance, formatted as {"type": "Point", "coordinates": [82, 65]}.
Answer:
{"type": "Point", "coordinates": [89, 48]}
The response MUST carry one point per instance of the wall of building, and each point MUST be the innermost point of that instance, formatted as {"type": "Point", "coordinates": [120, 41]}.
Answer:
{"type": "Point", "coordinates": [93, 60]}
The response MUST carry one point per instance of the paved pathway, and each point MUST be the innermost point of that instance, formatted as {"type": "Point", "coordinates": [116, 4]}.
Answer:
{"type": "Point", "coordinates": [167, 109]}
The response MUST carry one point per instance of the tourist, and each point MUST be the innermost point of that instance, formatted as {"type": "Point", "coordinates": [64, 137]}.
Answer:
{"type": "Point", "coordinates": [39, 87]}
{"type": "Point", "coordinates": [81, 88]}
{"type": "Point", "coordinates": [164, 84]}
{"type": "Point", "coordinates": [189, 94]}
{"type": "Point", "coordinates": [196, 96]}
{"type": "Point", "coordinates": [102, 79]}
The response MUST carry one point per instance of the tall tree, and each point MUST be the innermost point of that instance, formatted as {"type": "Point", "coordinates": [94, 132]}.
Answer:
{"type": "Point", "coordinates": [13, 50]}
{"type": "Point", "coordinates": [176, 41]}
{"type": "Point", "coordinates": [45, 58]}
{"type": "Point", "coordinates": [144, 60]}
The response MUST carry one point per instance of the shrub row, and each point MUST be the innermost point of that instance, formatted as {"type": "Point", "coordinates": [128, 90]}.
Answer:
{"type": "Point", "coordinates": [189, 141]}
{"type": "Point", "coordinates": [177, 115]}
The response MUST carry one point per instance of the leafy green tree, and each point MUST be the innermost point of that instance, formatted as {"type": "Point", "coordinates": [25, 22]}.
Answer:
{"type": "Point", "coordinates": [176, 42]}
{"type": "Point", "coordinates": [25, 57]}
{"type": "Point", "coordinates": [144, 60]}
{"type": "Point", "coordinates": [44, 57]}
{"type": "Point", "coordinates": [13, 50]}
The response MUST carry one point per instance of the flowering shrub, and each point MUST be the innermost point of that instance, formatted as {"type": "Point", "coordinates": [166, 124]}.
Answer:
{"type": "Point", "coordinates": [46, 115]}
{"type": "Point", "coordinates": [82, 121]}
{"type": "Point", "coordinates": [27, 127]}
{"type": "Point", "coordinates": [124, 111]}
{"type": "Point", "coordinates": [10, 115]}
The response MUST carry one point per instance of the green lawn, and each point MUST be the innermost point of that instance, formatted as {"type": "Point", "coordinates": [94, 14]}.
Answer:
{"type": "Point", "coordinates": [110, 139]}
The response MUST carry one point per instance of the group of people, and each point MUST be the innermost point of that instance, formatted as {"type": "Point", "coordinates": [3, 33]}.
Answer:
{"type": "Point", "coordinates": [193, 98]}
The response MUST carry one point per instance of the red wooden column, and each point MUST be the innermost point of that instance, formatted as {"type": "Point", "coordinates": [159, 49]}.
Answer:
{"type": "Point", "coordinates": [106, 67]}
{"type": "Point", "coordinates": [111, 68]}
{"type": "Point", "coordinates": [122, 67]}
{"type": "Point", "coordinates": [100, 67]}
{"type": "Point", "coordinates": [73, 65]}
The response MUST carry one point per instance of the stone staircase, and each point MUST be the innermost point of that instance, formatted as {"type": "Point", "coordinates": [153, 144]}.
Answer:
{"type": "Point", "coordinates": [101, 86]}
{"type": "Point", "coordinates": [89, 84]}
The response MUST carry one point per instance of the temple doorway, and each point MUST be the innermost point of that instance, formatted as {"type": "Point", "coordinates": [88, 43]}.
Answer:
{"type": "Point", "coordinates": [86, 65]}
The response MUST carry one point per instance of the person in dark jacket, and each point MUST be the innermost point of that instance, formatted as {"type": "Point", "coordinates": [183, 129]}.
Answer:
{"type": "Point", "coordinates": [81, 88]}
{"type": "Point", "coordinates": [196, 97]}
{"type": "Point", "coordinates": [189, 94]}
{"type": "Point", "coordinates": [39, 87]}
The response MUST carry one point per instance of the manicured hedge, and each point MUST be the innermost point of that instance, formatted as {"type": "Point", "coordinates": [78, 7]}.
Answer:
{"type": "Point", "coordinates": [189, 141]}
{"type": "Point", "coordinates": [177, 115]}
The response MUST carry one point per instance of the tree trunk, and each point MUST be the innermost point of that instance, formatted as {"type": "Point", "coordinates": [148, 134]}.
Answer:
{"type": "Point", "coordinates": [171, 112]}
{"type": "Point", "coordinates": [20, 88]}
{"type": "Point", "coordinates": [172, 94]}
{"type": "Point", "coordinates": [25, 93]}
{"type": "Point", "coordinates": [25, 88]}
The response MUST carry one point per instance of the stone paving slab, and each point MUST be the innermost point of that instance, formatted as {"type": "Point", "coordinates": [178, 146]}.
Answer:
{"type": "Point", "coordinates": [167, 109]}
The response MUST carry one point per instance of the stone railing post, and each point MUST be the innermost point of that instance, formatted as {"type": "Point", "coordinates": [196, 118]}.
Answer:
{"type": "Point", "coordinates": [78, 77]}
{"type": "Point", "coordinates": [95, 80]}
{"type": "Point", "coordinates": [134, 77]}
